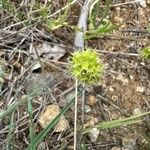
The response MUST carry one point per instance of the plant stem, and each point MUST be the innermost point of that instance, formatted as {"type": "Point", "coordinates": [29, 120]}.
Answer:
{"type": "Point", "coordinates": [75, 115]}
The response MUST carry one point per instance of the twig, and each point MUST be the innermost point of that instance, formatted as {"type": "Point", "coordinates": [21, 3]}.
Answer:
{"type": "Point", "coordinates": [66, 6]}
{"type": "Point", "coordinates": [82, 24]}
{"type": "Point", "coordinates": [118, 53]}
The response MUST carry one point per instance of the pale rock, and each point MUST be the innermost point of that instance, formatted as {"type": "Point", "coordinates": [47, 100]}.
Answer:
{"type": "Point", "coordinates": [91, 100]}
{"type": "Point", "coordinates": [111, 89]}
{"type": "Point", "coordinates": [140, 89]}
{"type": "Point", "coordinates": [49, 114]}
{"type": "Point", "coordinates": [87, 109]}
{"type": "Point", "coordinates": [142, 3]}
{"type": "Point", "coordinates": [94, 133]}
{"type": "Point", "coordinates": [131, 77]}
{"type": "Point", "coordinates": [136, 111]}
{"type": "Point", "coordinates": [142, 63]}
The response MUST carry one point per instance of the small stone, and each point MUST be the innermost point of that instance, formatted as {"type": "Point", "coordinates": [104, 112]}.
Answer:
{"type": "Point", "coordinates": [142, 63]}
{"type": "Point", "coordinates": [111, 89]}
{"type": "Point", "coordinates": [131, 77]}
{"type": "Point", "coordinates": [87, 109]}
{"type": "Point", "coordinates": [106, 66]}
{"type": "Point", "coordinates": [142, 3]}
{"type": "Point", "coordinates": [136, 111]}
{"type": "Point", "coordinates": [91, 100]}
{"type": "Point", "coordinates": [94, 133]}
{"type": "Point", "coordinates": [140, 89]}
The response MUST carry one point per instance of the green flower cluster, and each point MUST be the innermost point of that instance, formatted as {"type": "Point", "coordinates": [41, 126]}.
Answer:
{"type": "Point", "coordinates": [86, 66]}
{"type": "Point", "coordinates": [145, 52]}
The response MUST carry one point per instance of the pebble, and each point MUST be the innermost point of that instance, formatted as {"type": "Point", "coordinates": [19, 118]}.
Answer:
{"type": "Point", "coordinates": [87, 109]}
{"type": "Point", "coordinates": [111, 89]}
{"type": "Point", "coordinates": [142, 3]}
{"type": "Point", "coordinates": [91, 100]}
{"type": "Point", "coordinates": [47, 116]}
{"type": "Point", "coordinates": [140, 89]}
{"type": "Point", "coordinates": [94, 133]}
{"type": "Point", "coordinates": [136, 111]}
{"type": "Point", "coordinates": [131, 77]}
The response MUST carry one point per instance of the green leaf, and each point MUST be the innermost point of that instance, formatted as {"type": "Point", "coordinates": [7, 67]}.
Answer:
{"type": "Point", "coordinates": [119, 122]}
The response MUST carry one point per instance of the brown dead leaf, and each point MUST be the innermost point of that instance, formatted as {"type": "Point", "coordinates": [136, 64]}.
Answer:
{"type": "Point", "coordinates": [49, 114]}
{"type": "Point", "coordinates": [49, 51]}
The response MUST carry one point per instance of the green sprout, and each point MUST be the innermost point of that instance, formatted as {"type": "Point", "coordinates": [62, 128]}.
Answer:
{"type": "Point", "coordinates": [86, 66]}
{"type": "Point", "coordinates": [145, 52]}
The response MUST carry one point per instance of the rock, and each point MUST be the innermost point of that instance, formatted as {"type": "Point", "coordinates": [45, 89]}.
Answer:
{"type": "Point", "coordinates": [49, 114]}
{"type": "Point", "coordinates": [94, 133]}
{"type": "Point", "coordinates": [136, 111]}
{"type": "Point", "coordinates": [142, 3]}
{"type": "Point", "coordinates": [111, 89]}
{"type": "Point", "coordinates": [87, 109]}
{"type": "Point", "coordinates": [91, 100]}
{"type": "Point", "coordinates": [140, 89]}
{"type": "Point", "coordinates": [131, 77]}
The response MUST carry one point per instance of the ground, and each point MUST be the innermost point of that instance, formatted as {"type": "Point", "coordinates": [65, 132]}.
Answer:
{"type": "Point", "coordinates": [35, 57]}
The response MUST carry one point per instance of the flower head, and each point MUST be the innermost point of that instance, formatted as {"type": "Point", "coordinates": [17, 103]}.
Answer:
{"type": "Point", "coordinates": [86, 66]}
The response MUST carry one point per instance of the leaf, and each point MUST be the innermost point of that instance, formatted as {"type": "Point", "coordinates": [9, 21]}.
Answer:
{"type": "Point", "coordinates": [105, 27]}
